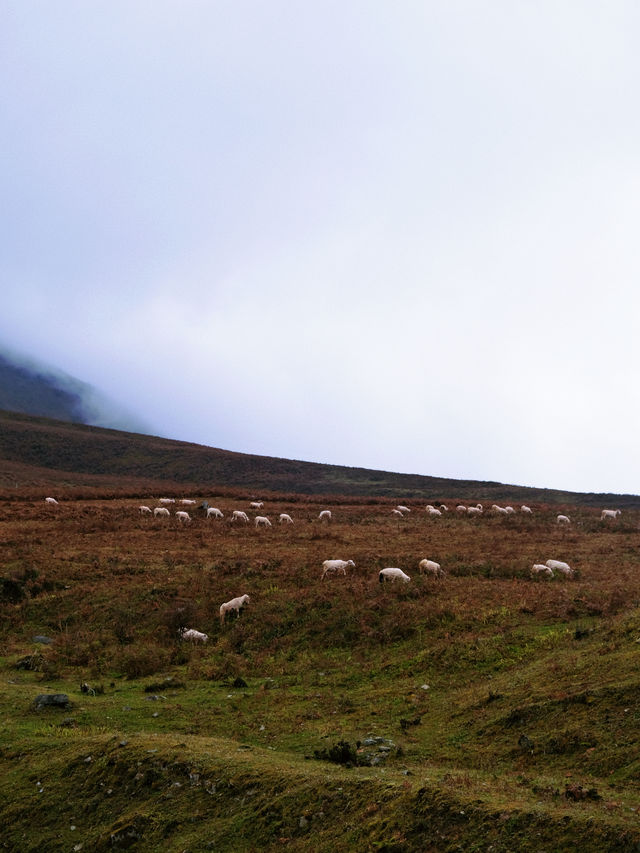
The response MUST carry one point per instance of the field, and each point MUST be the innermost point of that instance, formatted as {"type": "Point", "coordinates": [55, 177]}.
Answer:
{"type": "Point", "coordinates": [484, 711]}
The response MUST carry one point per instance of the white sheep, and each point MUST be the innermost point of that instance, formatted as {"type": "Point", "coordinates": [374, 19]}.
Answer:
{"type": "Point", "coordinates": [262, 521]}
{"type": "Point", "coordinates": [559, 566]}
{"type": "Point", "coordinates": [499, 510]}
{"type": "Point", "coordinates": [166, 500]}
{"type": "Point", "coordinates": [444, 508]}
{"type": "Point", "coordinates": [51, 501]}
{"type": "Point", "coordinates": [239, 515]}
{"type": "Point", "coordinates": [509, 509]}
{"type": "Point", "coordinates": [234, 606]}
{"type": "Point", "coordinates": [563, 519]}
{"type": "Point", "coordinates": [461, 508]}
{"type": "Point", "coordinates": [397, 513]}
{"type": "Point", "coordinates": [474, 510]}
{"type": "Point", "coordinates": [214, 512]}
{"type": "Point", "coordinates": [393, 575]}
{"type": "Point", "coordinates": [183, 517]}
{"type": "Point", "coordinates": [526, 509]}
{"type": "Point", "coordinates": [193, 636]}
{"type": "Point", "coordinates": [144, 509]}
{"type": "Point", "coordinates": [256, 504]}
{"type": "Point", "coordinates": [540, 569]}
{"type": "Point", "coordinates": [403, 508]}
{"type": "Point", "coordinates": [431, 510]}
{"type": "Point", "coordinates": [610, 513]}
{"type": "Point", "coordinates": [284, 518]}
{"type": "Point", "coordinates": [325, 515]}
{"type": "Point", "coordinates": [332, 567]}
{"type": "Point", "coordinates": [161, 510]}
{"type": "Point", "coordinates": [188, 502]}
{"type": "Point", "coordinates": [430, 567]}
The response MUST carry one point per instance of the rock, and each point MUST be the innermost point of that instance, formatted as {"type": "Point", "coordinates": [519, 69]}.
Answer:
{"type": "Point", "coordinates": [40, 638]}
{"type": "Point", "coordinates": [51, 700]}
{"type": "Point", "coordinates": [239, 682]}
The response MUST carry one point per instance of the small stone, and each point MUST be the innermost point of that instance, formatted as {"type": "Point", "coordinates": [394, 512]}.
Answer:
{"type": "Point", "coordinates": [303, 823]}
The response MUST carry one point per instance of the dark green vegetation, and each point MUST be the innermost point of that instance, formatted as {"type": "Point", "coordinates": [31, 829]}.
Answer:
{"type": "Point", "coordinates": [486, 711]}
{"type": "Point", "coordinates": [38, 452]}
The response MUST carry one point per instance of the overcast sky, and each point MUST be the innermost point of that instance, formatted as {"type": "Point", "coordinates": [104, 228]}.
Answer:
{"type": "Point", "coordinates": [399, 235]}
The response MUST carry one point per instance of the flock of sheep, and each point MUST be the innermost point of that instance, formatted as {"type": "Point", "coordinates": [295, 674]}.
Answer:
{"type": "Point", "coordinates": [335, 567]}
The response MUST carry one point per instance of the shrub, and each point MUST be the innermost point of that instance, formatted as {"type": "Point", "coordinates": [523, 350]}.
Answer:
{"type": "Point", "coordinates": [142, 659]}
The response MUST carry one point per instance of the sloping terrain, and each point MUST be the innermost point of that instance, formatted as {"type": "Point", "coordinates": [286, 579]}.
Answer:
{"type": "Point", "coordinates": [35, 452]}
{"type": "Point", "coordinates": [488, 710]}
{"type": "Point", "coordinates": [32, 388]}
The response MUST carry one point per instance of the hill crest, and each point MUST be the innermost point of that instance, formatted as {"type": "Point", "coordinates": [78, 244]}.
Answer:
{"type": "Point", "coordinates": [37, 451]}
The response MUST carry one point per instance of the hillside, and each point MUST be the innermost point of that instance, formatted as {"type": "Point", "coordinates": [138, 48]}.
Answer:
{"type": "Point", "coordinates": [35, 452]}
{"type": "Point", "coordinates": [34, 388]}
{"type": "Point", "coordinates": [487, 711]}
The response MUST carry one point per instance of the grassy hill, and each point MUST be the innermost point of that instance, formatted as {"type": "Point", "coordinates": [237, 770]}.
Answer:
{"type": "Point", "coordinates": [487, 711]}
{"type": "Point", "coordinates": [35, 452]}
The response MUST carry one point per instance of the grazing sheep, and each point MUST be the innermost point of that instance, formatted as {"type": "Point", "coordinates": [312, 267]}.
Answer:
{"type": "Point", "coordinates": [431, 510]}
{"type": "Point", "coordinates": [563, 519]}
{"type": "Point", "coordinates": [397, 513]}
{"type": "Point", "coordinates": [332, 567]}
{"type": "Point", "coordinates": [283, 518]}
{"type": "Point", "coordinates": [403, 508]}
{"type": "Point", "coordinates": [559, 566]}
{"type": "Point", "coordinates": [474, 510]}
{"type": "Point", "coordinates": [256, 504]}
{"type": "Point", "coordinates": [610, 513]}
{"type": "Point", "coordinates": [526, 509]}
{"type": "Point", "coordinates": [239, 515]}
{"type": "Point", "coordinates": [214, 512]}
{"type": "Point", "coordinates": [325, 515]}
{"type": "Point", "coordinates": [188, 502]}
{"type": "Point", "coordinates": [540, 569]}
{"type": "Point", "coordinates": [161, 510]}
{"type": "Point", "coordinates": [444, 508]}
{"type": "Point", "coordinates": [393, 575]}
{"type": "Point", "coordinates": [183, 517]}
{"type": "Point", "coordinates": [430, 567]}
{"type": "Point", "coordinates": [51, 501]}
{"type": "Point", "coordinates": [144, 509]}
{"type": "Point", "coordinates": [509, 509]}
{"type": "Point", "coordinates": [262, 521]}
{"type": "Point", "coordinates": [166, 500]}
{"type": "Point", "coordinates": [193, 636]}
{"type": "Point", "coordinates": [499, 510]}
{"type": "Point", "coordinates": [234, 606]}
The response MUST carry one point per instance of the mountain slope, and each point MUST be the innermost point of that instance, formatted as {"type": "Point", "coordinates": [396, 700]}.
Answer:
{"type": "Point", "coordinates": [37, 451]}
{"type": "Point", "coordinates": [33, 388]}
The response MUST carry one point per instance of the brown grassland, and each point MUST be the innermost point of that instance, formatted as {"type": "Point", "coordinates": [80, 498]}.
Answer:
{"type": "Point", "coordinates": [508, 707]}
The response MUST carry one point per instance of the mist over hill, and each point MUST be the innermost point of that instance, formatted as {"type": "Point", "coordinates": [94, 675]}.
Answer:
{"type": "Point", "coordinates": [30, 387]}
{"type": "Point", "coordinates": [39, 452]}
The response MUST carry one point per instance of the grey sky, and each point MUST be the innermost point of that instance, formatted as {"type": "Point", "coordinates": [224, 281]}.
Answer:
{"type": "Point", "coordinates": [396, 235]}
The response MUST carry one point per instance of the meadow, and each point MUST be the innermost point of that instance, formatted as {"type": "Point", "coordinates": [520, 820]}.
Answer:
{"type": "Point", "coordinates": [484, 711]}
